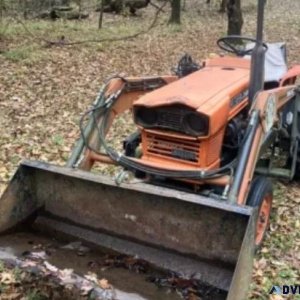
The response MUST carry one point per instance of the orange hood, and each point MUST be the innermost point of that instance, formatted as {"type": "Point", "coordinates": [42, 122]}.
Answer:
{"type": "Point", "coordinates": [202, 89]}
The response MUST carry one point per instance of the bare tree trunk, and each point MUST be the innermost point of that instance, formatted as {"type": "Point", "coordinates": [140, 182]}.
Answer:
{"type": "Point", "coordinates": [235, 17]}
{"type": "Point", "coordinates": [122, 6]}
{"type": "Point", "coordinates": [79, 9]}
{"type": "Point", "coordinates": [223, 5]}
{"type": "Point", "coordinates": [2, 8]}
{"type": "Point", "coordinates": [25, 9]}
{"type": "Point", "coordinates": [101, 15]}
{"type": "Point", "coordinates": [175, 12]}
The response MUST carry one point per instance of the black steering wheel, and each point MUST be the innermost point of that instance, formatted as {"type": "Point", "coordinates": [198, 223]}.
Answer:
{"type": "Point", "coordinates": [237, 44]}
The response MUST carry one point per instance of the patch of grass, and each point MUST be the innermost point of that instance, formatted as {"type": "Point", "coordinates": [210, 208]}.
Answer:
{"type": "Point", "coordinates": [2, 288]}
{"type": "Point", "coordinates": [17, 273]}
{"type": "Point", "coordinates": [22, 53]}
{"type": "Point", "coordinates": [15, 159]}
{"type": "Point", "coordinates": [12, 31]}
{"type": "Point", "coordinates": [32, 33]}
{"type": "Point", "coordinates": [175, 28]}
{"type": "Point", "coordinates": [58, 140]}
{"type": "Point", "coordinates": [39, 26]}
{"type": "Point", "coordinates": [287, 274]}
{"type": "Point", "coordinates": [1, 266]}
{"type": "Point", "coordinates": [35, 295]}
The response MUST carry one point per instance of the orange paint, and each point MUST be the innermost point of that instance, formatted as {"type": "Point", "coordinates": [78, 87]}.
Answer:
{"type": "Point", "coordinates": [210, 91]}
{"type": "Point", "coordinates": [263, 218]}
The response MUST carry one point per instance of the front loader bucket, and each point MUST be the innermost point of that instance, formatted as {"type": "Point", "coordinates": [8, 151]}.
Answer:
{"type": "Point", "coordinates": [211, 240]}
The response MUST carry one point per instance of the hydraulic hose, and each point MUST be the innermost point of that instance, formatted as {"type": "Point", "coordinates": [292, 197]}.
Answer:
{"type": "Point", "coordinates": [103, 111]}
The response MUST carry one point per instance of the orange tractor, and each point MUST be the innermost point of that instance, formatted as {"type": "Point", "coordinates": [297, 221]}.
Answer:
{"type": "Point", "coordinates": [205, 143]}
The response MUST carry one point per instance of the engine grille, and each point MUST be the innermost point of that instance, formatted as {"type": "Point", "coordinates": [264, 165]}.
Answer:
{"type": "Point", "coordinates": [176, 118]}
{"type": "Point", "coordinates": [168, 147]}
{"type": "Point", "coordinates": [171, 117]}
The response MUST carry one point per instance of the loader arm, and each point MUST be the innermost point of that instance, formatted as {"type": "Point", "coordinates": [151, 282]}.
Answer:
{"type": "Point", "coordinates": [130, 90]}
{"type": "Point", "coordinates": [291, 76]}
{"type": "Point", "coordinates": [267, 105]}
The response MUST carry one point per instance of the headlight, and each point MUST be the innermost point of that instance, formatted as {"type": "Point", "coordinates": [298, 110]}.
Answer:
{"type": "Point", "coordinates": [195, 124]}
{"type": "Point", "coordinates": [145, 116]}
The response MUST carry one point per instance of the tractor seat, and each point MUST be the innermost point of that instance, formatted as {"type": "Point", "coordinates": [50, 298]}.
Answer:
{"type": "Point", "coordinates": [275, 64]}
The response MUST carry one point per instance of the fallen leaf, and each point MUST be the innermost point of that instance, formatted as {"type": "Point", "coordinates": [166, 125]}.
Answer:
{"type": "Point", "coordinates": [50, 267]}
{"type": "Point", "coordinates": [103, 283]}
{"type": "Point", "coordinates": [7, 278]}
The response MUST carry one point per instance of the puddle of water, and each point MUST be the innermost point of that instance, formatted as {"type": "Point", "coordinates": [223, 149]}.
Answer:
{"type": "Point", "coordinates": [7, 253]}
{"type": "Point", "coordinates": [129, 285]}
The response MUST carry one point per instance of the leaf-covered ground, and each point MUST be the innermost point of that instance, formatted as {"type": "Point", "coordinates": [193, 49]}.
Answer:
{"type": "Point", "coordinates": [43, 92]}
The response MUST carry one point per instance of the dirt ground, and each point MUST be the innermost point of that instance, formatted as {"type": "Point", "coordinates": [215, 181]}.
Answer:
{"type": "Point", "coordinates": [43, 92]}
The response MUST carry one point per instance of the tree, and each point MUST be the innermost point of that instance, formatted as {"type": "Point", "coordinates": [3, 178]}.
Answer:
{"type": "Point", "coordinates": [175, 12]}
{"type": "Point", "coordinates": [79, 3]}
{"type": "Point", "coordinates": [223, 5]}
{"type": "Point", "coordinates": [100, 21]}
{"type": "Point", "coordinates": [183, 5]}
{"type": "Point", "coordinates": [25, 8]}
{"type": "Point", "coordinates": [2, 9]}
{"type": "Point", "coordinates": [235, 17]}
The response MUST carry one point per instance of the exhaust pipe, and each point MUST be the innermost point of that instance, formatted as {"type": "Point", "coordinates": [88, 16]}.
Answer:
{"type": "Point", "coordinates": [257, 73]}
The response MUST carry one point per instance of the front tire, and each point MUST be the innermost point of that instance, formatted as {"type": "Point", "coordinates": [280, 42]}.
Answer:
{"type": "Point", "coordinates": [261, 196]}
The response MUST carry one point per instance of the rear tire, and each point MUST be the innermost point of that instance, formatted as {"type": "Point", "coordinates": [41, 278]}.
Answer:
{"type": "Point", "coordinates": [261, 196]}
